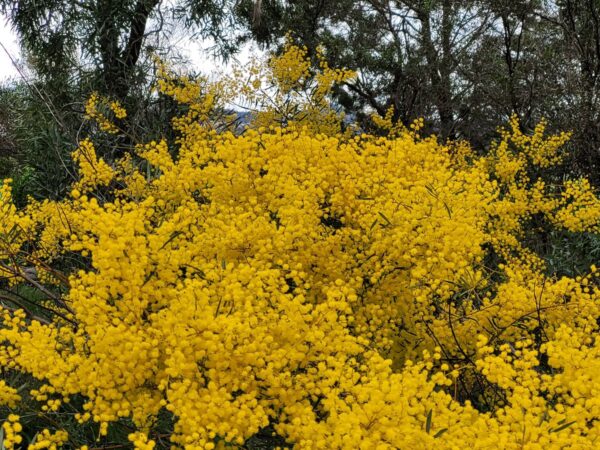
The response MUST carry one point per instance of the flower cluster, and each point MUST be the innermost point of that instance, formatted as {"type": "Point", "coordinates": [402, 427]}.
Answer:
{"type": "Point", "coordinates": [11, 429]}
{"type": "Point", "coordinates": [49, 440]}
{"type": "Point", "coordinates": [8, 395]}
{"type": "Point", "coordinates": [97, 108]}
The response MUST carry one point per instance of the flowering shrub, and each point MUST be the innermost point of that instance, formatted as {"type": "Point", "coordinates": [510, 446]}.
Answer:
{"type": "Point", "coordinates": [333, 289]}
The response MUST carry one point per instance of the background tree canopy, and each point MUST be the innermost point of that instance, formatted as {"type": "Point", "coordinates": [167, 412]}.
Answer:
{"type": "Point", "coordinates": [463, 66]}
{"type": "Point", "coordinates": [108, 37]}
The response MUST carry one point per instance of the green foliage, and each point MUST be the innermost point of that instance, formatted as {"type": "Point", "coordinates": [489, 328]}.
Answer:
{"type": "Point", "coordinates": [571, 254]}
{"type": "Point", "coordinates": [463, 66]}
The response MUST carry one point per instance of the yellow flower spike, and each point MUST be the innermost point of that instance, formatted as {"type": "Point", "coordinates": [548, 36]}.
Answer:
{"type": "Point", "coordinates": [94, 172]}
{"type": "Point", "coordinates": [49, 440]}
{"type": "Point", "coordinates": [11, 431]}
{"type": "Point", "coordinates": [8, 395]}
{"type": "Point", "coordinates": [93, 111]}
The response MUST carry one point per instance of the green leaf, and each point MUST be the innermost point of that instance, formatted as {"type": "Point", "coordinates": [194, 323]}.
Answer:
{"type": "Point", "coordinates": [439, 433]}
{"type": "Point", "coordinates": [428, 422]}
{"type": "Point", "coordinates": [34, 439]}
{"type": "Point", "coordinates": [562, 427]}
{"type": "Point", "coordinates": [173, 236]}
{"type": "Point", "coordinates": [448, 210]}
{"type": "Point", "coordinates": [385, 218]}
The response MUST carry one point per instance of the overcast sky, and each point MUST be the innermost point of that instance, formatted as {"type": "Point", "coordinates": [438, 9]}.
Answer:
{"type": "Point", "coordinates": [8, 40]}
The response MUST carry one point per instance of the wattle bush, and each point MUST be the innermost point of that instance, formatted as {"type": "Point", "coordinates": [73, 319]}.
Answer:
{"type": "Point", "coordinates": [329, 289]}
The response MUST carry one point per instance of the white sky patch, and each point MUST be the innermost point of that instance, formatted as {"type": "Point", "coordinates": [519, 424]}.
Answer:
{"type": "Point", "coordinates": [8, 39]}
{"type": "Point", "coordinates": [199, 55]}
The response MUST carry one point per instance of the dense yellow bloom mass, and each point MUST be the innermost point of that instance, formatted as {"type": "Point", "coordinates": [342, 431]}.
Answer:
{"type": "Point", "coordinates": [331, 288]}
